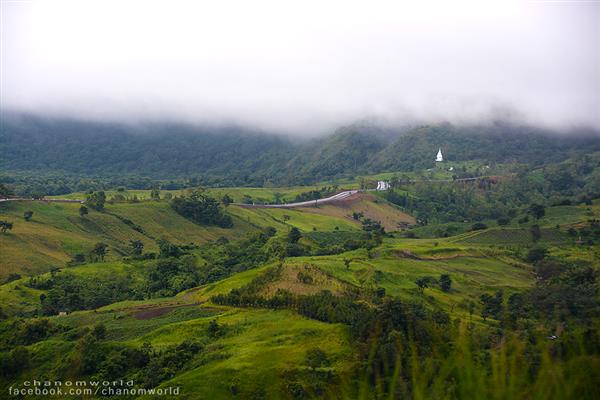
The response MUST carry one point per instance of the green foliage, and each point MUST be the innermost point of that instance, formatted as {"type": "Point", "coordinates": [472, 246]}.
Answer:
{"type": "Point", "coordinates": [492, 305]}
{"type": "Point", "coordinates": [536, 233]}
{"type": "Point", "coordinates": [226, 200]}
{"type": "Point", "coordinates": [478, 226]}
{"type": "Point", "coordinates": [371, 226]}
{"type": "Point", "coordinates": [96, 200]}
{"type": "Point", "coordinates": [294, 235]}
{"type": "Point", "coordinates": [99, 251]}
{"type": "Point", "coordinates": [316, 358]}
{"type": "Point", "coordinates": [424, 282]}
{"type": "Point", "coordinates": [536, 254]}
{"type": "Point", "coordinates": [201, 209]}
{"type": "Point", "coordinates": [537, 210]}
{"type": "Point", "coordinates": [169, 276]}
{"type": "Point", "coordinates": [5, 226]}
{"type": "Point", "coordinates": [137, 247]}
{"type": "Point", "coordinates": [155, 194]}
{"type": "Point", "coordinates": [27, 215]}
{"type": "Point", "coordinates": [445, 282]}
{"type": "Point", "coordinates": [14, 362]}
{"type": "Point", "coordinates": [69, 292]}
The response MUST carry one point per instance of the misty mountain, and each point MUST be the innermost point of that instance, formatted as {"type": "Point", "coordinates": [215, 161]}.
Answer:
{"type": "Point", "coordinates": [238, 156]}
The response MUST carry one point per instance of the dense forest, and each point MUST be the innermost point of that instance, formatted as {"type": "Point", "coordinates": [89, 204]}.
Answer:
{"type": "Point", "coordinates": [60, 156]}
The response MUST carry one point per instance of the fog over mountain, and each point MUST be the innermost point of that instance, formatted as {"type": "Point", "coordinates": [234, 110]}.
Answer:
{"type": "Point", "coordinates": [304, 67]}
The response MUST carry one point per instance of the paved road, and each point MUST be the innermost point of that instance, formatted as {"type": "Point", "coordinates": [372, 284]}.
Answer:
{"type": "Point", "coordinates": [337, 197]}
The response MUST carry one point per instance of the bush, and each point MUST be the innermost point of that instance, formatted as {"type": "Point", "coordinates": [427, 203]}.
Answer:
{"type": "Point", "coordinates": [503, 221]}
{"type": "Point", "coordinates": [316, 358]}
{"type": "Point", "coordinates": [478, 226]}
{"type": "Point", "coordinates": [536, 254]}
{"type": "Point", "coordinates": [445, 282]}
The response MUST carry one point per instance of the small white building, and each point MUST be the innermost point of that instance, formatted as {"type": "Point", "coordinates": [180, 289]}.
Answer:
{"type": "Point", "coordinates": [439, 157]}
{"type": "Point", "coordinates": [383, 185]}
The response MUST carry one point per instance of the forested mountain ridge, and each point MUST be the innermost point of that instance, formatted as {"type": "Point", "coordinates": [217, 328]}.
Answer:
{"type": "Point", "coordinates": [236, 156]}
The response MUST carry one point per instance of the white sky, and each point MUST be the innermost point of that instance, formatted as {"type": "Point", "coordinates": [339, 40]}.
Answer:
{"type": "Point", "coordinates": [303, 66]}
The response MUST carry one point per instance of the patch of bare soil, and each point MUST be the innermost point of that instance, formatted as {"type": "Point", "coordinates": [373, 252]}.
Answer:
{"type": "Point", "coordinates": [369, 206]}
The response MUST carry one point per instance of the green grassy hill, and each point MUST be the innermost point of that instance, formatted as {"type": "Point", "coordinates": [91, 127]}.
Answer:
{"type": "Point", "coordinates": [256, 349]}
{"type": "Point", "coordinates": [57, 232]}
{"type": "Point", "coordinates": [263, 352]}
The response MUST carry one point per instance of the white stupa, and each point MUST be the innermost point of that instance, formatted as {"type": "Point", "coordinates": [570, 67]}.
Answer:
{"type": "Point", "coordinates": [439, 157]}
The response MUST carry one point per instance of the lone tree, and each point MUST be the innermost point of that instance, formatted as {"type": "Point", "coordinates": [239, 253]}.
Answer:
{"type": "Point", "coordinates": [83, 211]}
{"type": "Point", "coordinates": [492, 305]}
{"type": "Point", "coordinates": [99, 251]}
{"type": "Point", "coordinates": [424, 282]}
{"type": "Point", "coordinates": [226, 200]}
{"type": "Point", "coordinates": [155, 194]}
{"type": "Point", "coordinates": [96, 200]}
{"type": "Point", "coordinates": [137, 246]}
{"type": "Point", "coordinates": [537, 210]}
{"type": "Point", "coordinates": [347, 262]}
{"type": "Point", "coordinates": [5, 226]}
{"type": "Point", "coordinates": [536, 233]}
{"type": "Point", "coordinates": [294, 235]}
{"type": "Point", "coordinates": [27, 215]}
{"type": "Point", "coordinates": [445, 282]}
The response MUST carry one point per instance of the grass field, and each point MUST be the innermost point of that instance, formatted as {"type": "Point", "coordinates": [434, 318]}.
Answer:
{"type": "Point", "coordinates": [264, 195]}
{"type": "Point", "coordinates": [57, 232]}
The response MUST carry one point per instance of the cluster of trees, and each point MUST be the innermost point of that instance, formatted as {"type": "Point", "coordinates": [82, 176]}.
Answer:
{"type": "Point", "coordinates": [444, 283]}
{"type": "Point", "coordinates": [95, 200]}
{"type": "Point", "coordinates": [169, 276]}
{"type": "Point", "coordinates": [201, 209]}
{"type": "Point", "coordinates": [53, 183]}
{"type": "Point", "coordinates": [66, 292]}
{"type": "Point", "coordinates": [563, 292]}
{"type": "Point", "coordinates": [224, 258]}
{"type": "Point", "coordinates": [315, 194]}
{"type": "Point", "coordinates": [147, 366]}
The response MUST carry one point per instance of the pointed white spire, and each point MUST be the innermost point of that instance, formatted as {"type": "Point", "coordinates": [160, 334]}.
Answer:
{"type": "Point", "coordinates": [439, 156]}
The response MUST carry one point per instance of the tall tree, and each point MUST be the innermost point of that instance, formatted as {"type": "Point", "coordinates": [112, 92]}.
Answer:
{"type": "Point", "coordinates": [137, 246]}
{"type": "Point", "coordinates": [100, 250]}
{"type": "Point", "coordinates": [294, 235]}
{"type": "Point", "coordinates": [537, 210]}
{"type": "Point", "coordinates": [445, 282]}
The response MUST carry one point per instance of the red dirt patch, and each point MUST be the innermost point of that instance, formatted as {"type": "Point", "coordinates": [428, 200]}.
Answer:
{"type": "Point", "coordinates": [154, 312]}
